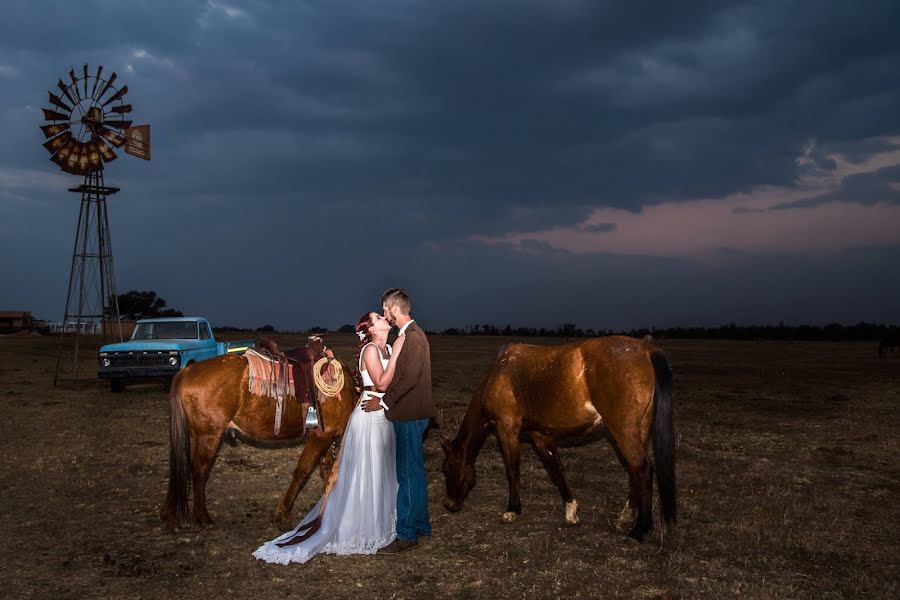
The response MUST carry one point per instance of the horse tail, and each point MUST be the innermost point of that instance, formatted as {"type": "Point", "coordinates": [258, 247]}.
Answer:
{"type": "Point", "coordinates": [179, 453]}
{"type": "Point", "coordinates": [664, 436]}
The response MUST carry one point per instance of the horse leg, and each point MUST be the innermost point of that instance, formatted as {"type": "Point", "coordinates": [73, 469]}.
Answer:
{"type": "Point", "coordinates": [633, 452]}
{"type": "Point", "coordinates": [313, 450]}
{"type": "Point", "coordinates": [204, 450]}
{"type": "Point", "coordinates": [546, 450]}
{"type": "Point", "coordinates": [508, 436]}
{"type": "Point", "coordinates": [327, 463]}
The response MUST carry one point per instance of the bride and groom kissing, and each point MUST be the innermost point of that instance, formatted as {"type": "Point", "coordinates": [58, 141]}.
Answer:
{"type": "Point", "coordinates": [376, 499]}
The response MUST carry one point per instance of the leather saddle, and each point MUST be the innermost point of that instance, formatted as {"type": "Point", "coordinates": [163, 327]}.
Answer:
{"type": "Point", "coordinates": [301, 362]}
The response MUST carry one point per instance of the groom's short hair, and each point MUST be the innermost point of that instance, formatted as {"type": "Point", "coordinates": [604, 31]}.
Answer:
{"type": "Point", "coordinates": [396, 296]}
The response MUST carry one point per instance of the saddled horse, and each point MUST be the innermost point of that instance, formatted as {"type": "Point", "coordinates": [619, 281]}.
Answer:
{"type": "Point", "coordinates": [211, 399]}
{"type": "Point", "coordinates": [618, 382]}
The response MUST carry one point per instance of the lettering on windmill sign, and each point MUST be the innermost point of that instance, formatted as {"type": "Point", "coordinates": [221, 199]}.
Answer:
{"type": "Point", "coordinates": [137, 141]}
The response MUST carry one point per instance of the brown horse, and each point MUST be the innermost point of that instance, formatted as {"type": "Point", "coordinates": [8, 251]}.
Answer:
{"type": "Point", "coordinates": [210, 398]}
{"type": "Point", "coordinates": [619, 382]}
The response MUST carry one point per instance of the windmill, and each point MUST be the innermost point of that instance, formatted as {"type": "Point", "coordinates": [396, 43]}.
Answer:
{"type": "Point", "coordinates": [83, 129]}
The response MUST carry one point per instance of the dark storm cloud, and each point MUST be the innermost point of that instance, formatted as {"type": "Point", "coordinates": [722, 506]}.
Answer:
{"type": "Point", "coordinates": [391, 128]}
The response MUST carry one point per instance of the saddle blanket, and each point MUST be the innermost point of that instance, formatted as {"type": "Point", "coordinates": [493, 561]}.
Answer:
{"type": "Point", "coordinates": [270, 377]}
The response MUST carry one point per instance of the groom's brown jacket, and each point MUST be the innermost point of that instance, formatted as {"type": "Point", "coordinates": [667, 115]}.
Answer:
{"type": "Point", "coordinates": [408, 397]}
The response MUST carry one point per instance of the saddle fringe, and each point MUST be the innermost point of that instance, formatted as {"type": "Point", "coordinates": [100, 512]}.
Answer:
{"type": "Point", "coordinates": [271, 377]}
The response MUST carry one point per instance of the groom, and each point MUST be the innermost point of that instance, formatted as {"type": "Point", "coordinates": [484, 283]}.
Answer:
{"type": "Point", "coordinates": [410, 407]}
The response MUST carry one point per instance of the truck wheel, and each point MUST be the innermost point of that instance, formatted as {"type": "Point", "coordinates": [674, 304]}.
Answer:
{"type": "Point", "coordinates": [116, 386]}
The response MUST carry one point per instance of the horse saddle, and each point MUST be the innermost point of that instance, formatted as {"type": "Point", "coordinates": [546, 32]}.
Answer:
{"type": "Point", "coordinates": [287, 375]}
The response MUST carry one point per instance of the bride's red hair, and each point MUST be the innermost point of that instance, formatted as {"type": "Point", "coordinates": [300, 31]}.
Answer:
{"type": "Point", "coordinates": [362, 326]}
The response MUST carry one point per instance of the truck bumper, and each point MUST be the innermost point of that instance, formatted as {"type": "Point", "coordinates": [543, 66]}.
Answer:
{"type": "Point", "coordinates": [137, 372]}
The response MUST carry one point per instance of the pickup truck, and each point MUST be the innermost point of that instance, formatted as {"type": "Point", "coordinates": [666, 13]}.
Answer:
{"type": "Point", "coordinates": [158, 348]}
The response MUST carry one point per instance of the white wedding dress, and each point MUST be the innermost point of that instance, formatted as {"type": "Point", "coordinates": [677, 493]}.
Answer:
{"type": "Point", "coordinates": [359, 514]}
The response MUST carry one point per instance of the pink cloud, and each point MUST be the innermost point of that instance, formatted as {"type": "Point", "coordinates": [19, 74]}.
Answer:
{"type": "Point", "coordinates": [745, 222]}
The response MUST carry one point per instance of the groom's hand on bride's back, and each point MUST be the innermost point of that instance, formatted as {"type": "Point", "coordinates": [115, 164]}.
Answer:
{"type": "Point", "coordinates": [371, 404]}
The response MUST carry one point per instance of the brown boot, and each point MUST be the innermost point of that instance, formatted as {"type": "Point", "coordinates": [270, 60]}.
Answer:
{"type": "Point", "coordinates": [398, 546]}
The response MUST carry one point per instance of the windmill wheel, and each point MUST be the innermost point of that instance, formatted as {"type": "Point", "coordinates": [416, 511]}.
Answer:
{"type": "Point", "coordinates": [86, 122]}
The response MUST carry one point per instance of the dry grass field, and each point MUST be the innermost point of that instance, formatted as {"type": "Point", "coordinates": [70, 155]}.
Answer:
{"type": "Point", "coordinates": [788, 479]}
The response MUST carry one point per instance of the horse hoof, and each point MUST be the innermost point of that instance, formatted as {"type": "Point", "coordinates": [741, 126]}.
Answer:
{"type": "Point", "coordinates": [637, 535]}
{"type": "Point", "coordinates": [204, 521]}
{"type": "Point", "coordinates": [509, 517]}
{"type": "Point", "coordinates": [283, 523]}
{"type": "Point", "coordinates": [170, 522]}
{"type": "Point", "coordinates": [572, 513]}
{"type": "Point", "coordinates": [625, 519]}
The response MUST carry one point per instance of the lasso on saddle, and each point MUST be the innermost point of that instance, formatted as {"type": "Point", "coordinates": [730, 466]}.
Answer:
{"type": "Point", "coordinates": [292, 375]}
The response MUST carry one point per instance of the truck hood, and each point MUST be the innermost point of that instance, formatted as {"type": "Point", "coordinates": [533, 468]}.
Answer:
{"type": "Point", "coordinates": [156, 345]}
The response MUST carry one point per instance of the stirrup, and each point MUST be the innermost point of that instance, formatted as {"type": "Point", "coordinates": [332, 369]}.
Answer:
{"type": "Point", "coordinates": [312, 418]}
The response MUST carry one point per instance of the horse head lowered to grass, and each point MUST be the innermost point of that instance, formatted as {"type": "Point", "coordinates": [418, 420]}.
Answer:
{"type": "Point", "coordinates": [211, 398]}
{"type": "Point", "coordinates": [618, 382]}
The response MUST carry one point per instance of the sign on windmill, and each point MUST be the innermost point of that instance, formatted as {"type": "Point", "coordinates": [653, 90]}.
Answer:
{"type": "Point", "coordinates": [138, 141]}
{"type": "Point", "coordinates": [83, 129]}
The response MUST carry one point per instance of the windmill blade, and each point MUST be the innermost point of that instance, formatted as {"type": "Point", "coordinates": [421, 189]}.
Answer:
{"type": "Point", "coordinates": [85, 80]}
{"type": "Point", "coordinates": [54, 99]}
{"type": "Point", "coordinates": [60, 160]}
{"type": "Point", "coordinates": [65, 91]}
{"type": "Point", "coordinates": [93, 156]}
{"type": "Point", "coordinates": [51, 115]}
{"type": "Point", "coordinates": [52, 130]}
{"type": "Point", "coordinates": [96, 80]}
{"type": "Point", "coordinates": [118, 124]}
{"type": "Point", "coordinates": [67, 157]}
{"type": "Point", "coordinates": [58, 142]}
{"type": "Point", "coordinates": [67, 149]}
{"type": "Point", "coordinates": [107, 86]}
{"type": "Point", "coordinates": [76, 161]}
{"type": "Point", "coordinates": [112, 137]}
{"type": "Point", "coordinates": [117, 95]}
{"type": "Point", "coordinates": [74, 85]}
{"type": "Point", "coordinates": [125, 108]}
{"type": "Point", "coordinates": [107, 154]}
{"type": "Point", "coordinates": [83, 160]}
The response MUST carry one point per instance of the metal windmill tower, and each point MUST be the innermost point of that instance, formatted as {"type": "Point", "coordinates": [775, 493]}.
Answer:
{"type": "Point", "coordinates": [85, 125]}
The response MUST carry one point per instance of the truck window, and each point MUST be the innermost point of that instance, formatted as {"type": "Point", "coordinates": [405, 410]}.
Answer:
{"type": "Point", "coordinates": [204, 331]}
{"type": "Point", "coordinates": [165, 330]}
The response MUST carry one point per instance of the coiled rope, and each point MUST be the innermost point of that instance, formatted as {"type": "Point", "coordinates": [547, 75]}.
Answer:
{"type": "Point", "coordinates": [326, 388]}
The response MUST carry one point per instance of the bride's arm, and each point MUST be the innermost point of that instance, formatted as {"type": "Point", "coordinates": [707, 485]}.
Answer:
{"type": "Point", "coordinates": [384, 380]}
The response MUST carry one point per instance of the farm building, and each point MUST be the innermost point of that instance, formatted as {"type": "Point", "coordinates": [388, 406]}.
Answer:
{"type": "Point", "coordinates": [12, 321]}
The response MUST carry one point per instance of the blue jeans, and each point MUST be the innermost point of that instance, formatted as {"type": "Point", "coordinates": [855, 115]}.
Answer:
{"type": "Point", "coordinates": [412, 495]}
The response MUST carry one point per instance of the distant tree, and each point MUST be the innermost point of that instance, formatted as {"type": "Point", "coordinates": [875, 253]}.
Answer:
{"type": "Point", "coordinates": [317, 329]}
{"type": "Point", "coordinates": [144, 305]}
{"type": "Point", "coordinates": [265, 329]}
{"type": "Point", "coordinates": [346, 328]}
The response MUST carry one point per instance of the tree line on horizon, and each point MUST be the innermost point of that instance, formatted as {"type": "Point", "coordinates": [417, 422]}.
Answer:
{"type": "Point", "coordinates": [136, 304]}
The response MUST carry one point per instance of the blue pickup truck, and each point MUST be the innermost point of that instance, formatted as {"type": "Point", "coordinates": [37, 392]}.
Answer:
{"type": "Point", "coordinates": [160, 347]}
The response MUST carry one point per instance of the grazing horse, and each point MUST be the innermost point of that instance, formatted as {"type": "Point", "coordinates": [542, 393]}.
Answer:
{"type": "Point", "coordinates": [618, 382]}
{"type": "Point", "coordinates": [212, 397]}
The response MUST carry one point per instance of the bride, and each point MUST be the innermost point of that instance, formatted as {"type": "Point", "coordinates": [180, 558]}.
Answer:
{"type": "Point", "coordinates": [357, 513]}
